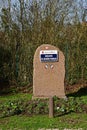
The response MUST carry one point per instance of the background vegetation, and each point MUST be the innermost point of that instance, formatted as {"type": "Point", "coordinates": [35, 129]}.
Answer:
{"type": "Point", "coordinates": [27, 24]}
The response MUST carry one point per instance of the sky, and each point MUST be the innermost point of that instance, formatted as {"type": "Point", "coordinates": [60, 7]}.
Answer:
{"type": "Point", "coordinates": [85, 4]}
{"type": "Point", "coordinates": [14, 1]}
{"type": "Point", "coordinates": [4, 3]}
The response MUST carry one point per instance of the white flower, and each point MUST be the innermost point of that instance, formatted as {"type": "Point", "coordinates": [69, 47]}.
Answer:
{"type": "Point", "coordinates": [58, 108]}
{"type": "Point", "coordinates": [62, 110]}
{"type": "Point", "coordinates": [12, 104]}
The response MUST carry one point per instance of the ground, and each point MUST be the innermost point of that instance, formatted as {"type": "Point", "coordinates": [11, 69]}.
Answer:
{"type": "Point", "coordinates": [70, 121]}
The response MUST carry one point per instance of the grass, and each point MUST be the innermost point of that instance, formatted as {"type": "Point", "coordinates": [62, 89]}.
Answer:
{"type": "Point", "coordinates": [22, 122]}
{"type": "Point", "coordinates": [72, 120]}
{"type": "Point", "coordinates": [15, 97]}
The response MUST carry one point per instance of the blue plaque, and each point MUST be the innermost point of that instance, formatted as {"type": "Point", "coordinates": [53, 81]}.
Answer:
{"type": "Point", "coordinates": [48, 56]}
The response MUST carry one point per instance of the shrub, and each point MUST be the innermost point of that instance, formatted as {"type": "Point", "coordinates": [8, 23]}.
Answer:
{"type": "Point", "coordinates": [40, 106]}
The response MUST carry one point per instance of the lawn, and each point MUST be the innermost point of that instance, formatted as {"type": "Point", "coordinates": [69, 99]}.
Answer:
{"type": "Point", "coordinates": [23, 122]}
{"type": "Point", "coordinates": [72, 120]}
{"type": "Point", "coordinates": [15, 97]}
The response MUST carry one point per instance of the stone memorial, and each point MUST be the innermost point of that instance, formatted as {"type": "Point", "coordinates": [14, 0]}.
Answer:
{"type": "Point", "coordinates": [48, 72]}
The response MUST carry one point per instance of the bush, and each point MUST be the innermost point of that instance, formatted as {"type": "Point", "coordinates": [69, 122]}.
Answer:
{"type": "Point", "coordinates": [72, 104]}
{"type": "Point", "coordinates": [11, 108]}
{"type": "Point", "coordinates": [40, 106]}
{"type": "Point", "coordinates": [16, 107]}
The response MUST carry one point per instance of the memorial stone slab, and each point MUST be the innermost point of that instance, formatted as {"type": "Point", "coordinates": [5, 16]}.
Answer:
{"type": "Point", "coordinates": [48, 72]}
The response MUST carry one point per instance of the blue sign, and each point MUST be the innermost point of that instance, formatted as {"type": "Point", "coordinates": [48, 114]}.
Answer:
{"type": "Point", "coordinates": [49, 56]}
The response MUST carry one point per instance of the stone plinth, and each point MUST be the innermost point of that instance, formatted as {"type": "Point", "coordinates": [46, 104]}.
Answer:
{"type": "Point", "coordinates": [49, 72]}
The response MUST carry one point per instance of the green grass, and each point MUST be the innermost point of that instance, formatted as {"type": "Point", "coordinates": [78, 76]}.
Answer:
{"type": "Point", "coordinates": [22, 122]}
{"type": "Point", "coordinates": [15, 97]}
{"type": "Point", "coordinates": [72, 120]}
{"type": "Point", "coordinates": [84, 98]}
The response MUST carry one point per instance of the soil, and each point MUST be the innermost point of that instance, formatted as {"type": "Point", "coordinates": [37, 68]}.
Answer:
{"type": "Point", "coordinates": [69, 89]}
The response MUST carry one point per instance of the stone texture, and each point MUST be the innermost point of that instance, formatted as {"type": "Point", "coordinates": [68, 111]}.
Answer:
{"type": "Point", "coordinates": [48, 82]}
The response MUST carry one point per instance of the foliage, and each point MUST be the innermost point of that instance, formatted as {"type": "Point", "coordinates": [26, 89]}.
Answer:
{"type": "Point", "coordinates": [5, 62]}
{"type": "Point", "coordinates": [42, 22]}
{"type": "Point", "coordinates": [66, 116]}
{"type": "Point", "coordinates": [70, 105]}
{"type": "Point", "coordinates": [40, 106]}
{"type": "Point", "coordinates": [37, 107]}
{"type": "Point", "coordinates": [17, 107]}
{"type": "Point", "coordinates": [12, 108]}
